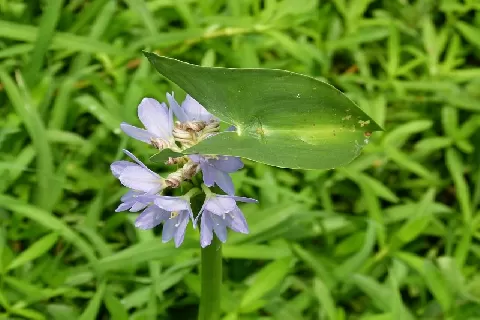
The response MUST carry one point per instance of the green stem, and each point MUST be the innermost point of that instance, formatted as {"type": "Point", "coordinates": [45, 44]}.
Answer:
{"type": "Point", "coordinates": [192, 193]}
{"type": "Point", "coordinates": [206, 190]}
{"type": "Point", "coordinates": [211, 273]}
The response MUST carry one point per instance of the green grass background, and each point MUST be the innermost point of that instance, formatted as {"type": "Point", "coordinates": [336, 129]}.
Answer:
{"type": "Point", "coordinates": [394, 235]}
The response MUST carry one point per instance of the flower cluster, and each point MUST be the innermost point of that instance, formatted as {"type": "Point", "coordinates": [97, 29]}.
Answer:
{"type": "Point", "coordinates": [194, 124]}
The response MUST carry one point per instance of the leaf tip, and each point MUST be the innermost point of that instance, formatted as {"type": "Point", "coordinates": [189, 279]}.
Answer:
{"type": "Point", "coordinates": [148, 54]}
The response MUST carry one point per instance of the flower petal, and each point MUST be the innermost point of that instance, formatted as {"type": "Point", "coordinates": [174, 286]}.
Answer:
{"type": "Point", "coordinates": [227, 163]}
{"type": "Point", "coordinates": [241, 199]}
{"type": "Point", "coordinates": [175, 107]}
{"type": "Point", "coordinates": [145, 197]}
{"type": "Point", "coordinates": [195, 111]}
{"type": "Point", "coordinates": [236, 221]}
{"type": "Point", "coordinates": [197, 158]}
{"type": "Point", "coordinates": [124, 206]}
{"type": "Point", "coordinates": [206, 229]}
{"type": "Point", "coordinates": [130, 194]}
{"type": "Point", "coordinates": [155, 118]}
{"type": "Point", "coordinates": [224, 181]}
{"type": "Point", "coordinates": [175, 227]}
{"type": "Point", "coordinates": [118, 166]}
{"type": "Point", "coordinates": [151, 217]}
{"type": "Point", "coordinates": [140, 163]}
{"type": "Point", "coordinates": [141, 179]}
{"type": "Point", "coordinates": [170, 122]}
{"type": "Point", "coordinates": [169, 229]}
{"type": "Point", "coordinates": [137, 206]}
{"type": "Point", "coordinates": [137, 196]}
{"type": "Point", "coordinates": [219, 205]}
{"type": "Point", "coordinates": [136, 133]}
{"type": "Point", "coordinates": [181, 228]}
{"type": "Point", "coordinates": [209, 174]}
{"type": "Point", "coordinates": [220, 227]}
{"type": "Point", "coordinates": [134, 201]}
{"type": "Point", "coordinates": [172, 203]}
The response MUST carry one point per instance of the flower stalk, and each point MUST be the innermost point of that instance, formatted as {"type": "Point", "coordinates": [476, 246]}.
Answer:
{"type": "Point", "coordinates": [211, 281]}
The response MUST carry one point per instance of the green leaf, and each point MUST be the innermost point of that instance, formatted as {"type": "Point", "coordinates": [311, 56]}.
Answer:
{"type": "Point", "coordinates": [27, 313]}
{"type": "Point", "coordinates": [4, 302]}
{"type": "Point", "coordinates": [36, 250]}
{"type": "Point", "coordinates": [264, 281]}
{"type": "Point", "coordinates": [357, 260]}
{"type": "Point", "coordinates": [254, 252]}
{"type": "Point", "coordinates": [438, 285]}
{"type": "Point", "coordinates": [418, 222]}
{"type": "Point", "coordinates": [26, 110]}
{"type": "Point", "coordinates": [380, 295]}
{"type": "Point", "coordinates": [282, 118]}
{"type": "Point", "coordinates": [3, 242]}
{"type": "Point", "coordinates": [61, 40]}
{"type": "Point", "coordinates": [325, 298]}
{"type": "Point", "coordinates": [99, 111]}
{"type": "Point", "coordinates": [455, 166]}
{"type": "Point", "coordinates": [396, 273]}
{"type": "Point", "coordinates": [136, 254]}
{"type": "Point", "coordinates": [61, 311]}
{"type": "Point", "coordinates": [451, 273]}
{"type": "Point", "coordinates": [399, 136]}
{"type": "Point", "coordinates": [93, 307]}
{"type": "Point", "coordinates": [163, 155]}
{"type": "Point", "coordinates": [47, 220]}
{"type": "Point", "coordinates": [470, 33]}
{"type": "Point", "coordinates": [323, 272]}
{"type": "Point", "coordinates": [46, 29]}
{"type": "Point", "coordinates": [114, 306]}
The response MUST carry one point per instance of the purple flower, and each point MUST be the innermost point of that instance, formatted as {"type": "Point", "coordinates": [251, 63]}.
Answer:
{"type": "Point", "coordinates": [132, 201]}
{"type": "Point", "coordinates": [190, 110]}
{"type": "Point", "coordinates": [151, 217]}
{"type": "Point", "coordinates": [158, 121]}
{"type": "Point", "coordinates": [137, 176]}
{"type": "Point", "coordinates": [216, 170]}
{"type": "Point", "coordinates": [173, 211]}
{"type": "Point", "coordinates": [218, 213]}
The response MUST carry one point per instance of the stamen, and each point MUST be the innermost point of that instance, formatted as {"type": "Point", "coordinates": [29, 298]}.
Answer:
{"type": "Point", "coordinates": [159, 143]}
